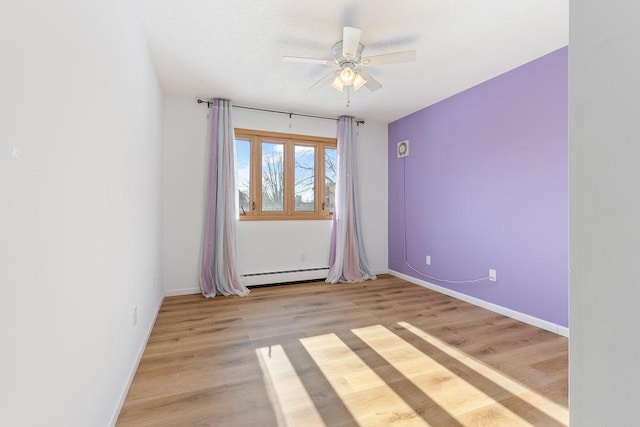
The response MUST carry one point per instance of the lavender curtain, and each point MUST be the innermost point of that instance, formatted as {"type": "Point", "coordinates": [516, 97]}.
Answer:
{"type": "Point", "coordinates": [348, 261]}
{"type": "Point", "coordinates": [219, 274]}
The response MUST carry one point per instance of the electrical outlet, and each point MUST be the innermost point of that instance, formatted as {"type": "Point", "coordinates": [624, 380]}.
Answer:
{"type": "Point", "coordinates": [428, 260]}
{"type": "Point", "coordinates": [135, 316]}
{"type": "Point", "coordinates": [492, 275]}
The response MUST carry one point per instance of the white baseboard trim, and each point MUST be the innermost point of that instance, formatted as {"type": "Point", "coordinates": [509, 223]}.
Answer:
{"type": "Point", "coordinates": [184, 291]}
{"type": "Point", "coordinates": [134, 368]}
{"type": "Point", "coordinates": [540, 323]}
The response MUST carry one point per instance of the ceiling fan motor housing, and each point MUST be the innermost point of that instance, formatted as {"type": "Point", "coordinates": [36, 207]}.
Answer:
{"type": "Point", "coordinates": [340, 59]}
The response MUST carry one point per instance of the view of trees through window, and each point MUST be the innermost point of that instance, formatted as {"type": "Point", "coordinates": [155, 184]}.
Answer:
{"type": "Point", "coordinates": [243, 164]}
{"type": "Point", "coordinates": [283, 176]}
{"type": "Point", "coordinates": [305, 178]}
{"type": "Point", "coordinates": [272, 177]}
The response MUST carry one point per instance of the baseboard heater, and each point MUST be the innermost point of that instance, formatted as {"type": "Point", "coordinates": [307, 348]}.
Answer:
{"type": "Point", "coordinates": [270, 277]}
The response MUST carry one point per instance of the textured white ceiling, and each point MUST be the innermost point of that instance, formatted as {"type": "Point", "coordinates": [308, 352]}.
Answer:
{"type": "Point", "coordinates": [233, 49]}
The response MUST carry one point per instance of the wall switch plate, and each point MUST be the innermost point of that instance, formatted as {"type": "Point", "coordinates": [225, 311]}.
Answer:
{"type": "Point", "coordinates": [135, 316]}
{"type": "Point", "coordinates": [428, 260]}
{"type": "Point", "coordinates": [492, 275]}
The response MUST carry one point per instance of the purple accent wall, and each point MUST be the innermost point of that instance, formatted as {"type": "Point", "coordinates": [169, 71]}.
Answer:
{"type": "Point", "coordinates": [486, 186]}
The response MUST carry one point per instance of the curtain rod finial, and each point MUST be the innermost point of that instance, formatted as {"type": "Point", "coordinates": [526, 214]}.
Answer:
{"type": "Point", "coordinates": [202, 101]}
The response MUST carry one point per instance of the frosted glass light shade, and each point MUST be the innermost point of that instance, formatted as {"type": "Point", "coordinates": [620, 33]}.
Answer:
{"type": "Point", "coordinates": [347, 75]}
{"type": "Point", "coordinates": [358, 82]}
{"type": "Point", "coordinates": [337, 84]}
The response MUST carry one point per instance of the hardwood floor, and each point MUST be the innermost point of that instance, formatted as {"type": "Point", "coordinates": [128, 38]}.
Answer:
{"type": "Point", "coordinates": [383, 352]}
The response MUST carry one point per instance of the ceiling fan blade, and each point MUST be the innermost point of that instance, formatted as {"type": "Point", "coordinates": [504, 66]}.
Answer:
{"type": "Point", "coordinates": [308, 60]}
{"type": "Point", "coordinates": [371, 84]}
{"type": "Point", "coordinates": [389, 58]}
{"type": "Point", "coordinates": [350, 41]}
{"type": "Point", "coordinates": [326, 79]}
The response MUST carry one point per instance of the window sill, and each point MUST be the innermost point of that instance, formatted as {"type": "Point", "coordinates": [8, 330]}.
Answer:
{"type": "Point", "coordinates": [311, 217]}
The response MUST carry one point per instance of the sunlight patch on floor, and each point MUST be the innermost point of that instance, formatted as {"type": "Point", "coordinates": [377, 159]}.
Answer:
{"type": "Point", "coordinates": [541, 403]}
{"type": "Point", "coordinates": [289, 398]}
{"type": "Point", "coordinates": [446, 384]}
{"type": "Point", "coordinates": [367, 397]}
{"type": "Point", "coordinates": [443, 386]}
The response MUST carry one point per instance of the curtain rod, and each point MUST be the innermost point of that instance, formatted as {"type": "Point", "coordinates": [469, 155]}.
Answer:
{"type": "Point", "coordinates": [202, 101]}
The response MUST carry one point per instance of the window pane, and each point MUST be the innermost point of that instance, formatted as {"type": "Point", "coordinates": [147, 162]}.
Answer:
{"type": "Point", "coordinates": [330, 175]}
{"type": "Point", "coordinates": [243, 163]}
{"type": "Point", "coordinates": [272, 177]}
{"type": "Point", "coordinates": [305, 178]}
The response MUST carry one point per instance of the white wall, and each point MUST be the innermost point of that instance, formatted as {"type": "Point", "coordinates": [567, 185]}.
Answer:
{"type": "Point", "coordinates": [604, 205]}
{"type": "Point", "coordinates": [80, 188]}
{"type": "Point", "coordinates": [185, 137]}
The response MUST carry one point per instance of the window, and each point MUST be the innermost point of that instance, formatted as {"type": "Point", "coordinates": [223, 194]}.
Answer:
{"type": "Point", "coordinates": [284, 176]}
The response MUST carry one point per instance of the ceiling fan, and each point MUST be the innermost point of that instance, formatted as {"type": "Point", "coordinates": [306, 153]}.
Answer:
{"type": "Point", "coordinates": [349, 63]}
